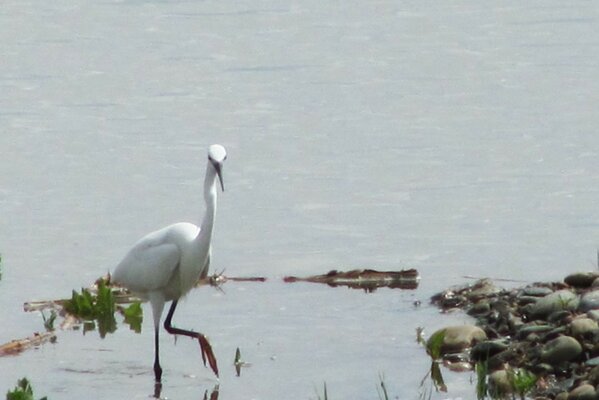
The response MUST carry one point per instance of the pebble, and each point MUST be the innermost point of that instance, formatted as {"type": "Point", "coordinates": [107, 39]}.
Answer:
{"type": "Point", "coordinates": [583, 392]}
{"type": "Point", "coordinates": [581, 279]}
{"type": "Point", "coordinates": [583, 327]}
{"type": "Point", "coordinates": [556, 301]}
{"type": "Point", "coordinates": [589, 301]}
{"type": "Point", "coordinates": [560, 349]}
{"type": "Point", "coordinates": [461, 337]}
{"type": "Point", "coordinates": [593, 314]}
{"type": "Point", "coordinates": [499, 384]}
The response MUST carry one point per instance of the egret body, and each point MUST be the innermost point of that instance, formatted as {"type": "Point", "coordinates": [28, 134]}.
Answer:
{"type": "Point", "coordinates": [164, 265]}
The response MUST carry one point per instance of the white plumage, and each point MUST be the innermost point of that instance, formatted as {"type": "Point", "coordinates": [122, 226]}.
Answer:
{"type": "Point", "coordinates": [164, 265]}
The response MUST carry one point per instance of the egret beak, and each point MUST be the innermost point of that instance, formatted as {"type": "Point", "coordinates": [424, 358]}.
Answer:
{"type": "Point", "coordinates": [220, 176]}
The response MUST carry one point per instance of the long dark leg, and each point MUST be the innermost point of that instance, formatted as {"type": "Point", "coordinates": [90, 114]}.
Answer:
{"type": "Point", "coordinates": [204, 345]}
{"type": "Point", "coordinates": [157, 368]}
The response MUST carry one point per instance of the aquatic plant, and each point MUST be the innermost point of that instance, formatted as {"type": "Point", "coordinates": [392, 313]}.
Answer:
{"type": "Point", "coordinates": [434, 344]}
{"type": "Point", "coordinates": [133, 316]}
{"type": "Point", "coordinates": [93, 308]}
{"type": "Point", "coordinates": [522, 381]}
{"type": "Point", "coordinates": [23, 391]}
{"type": "Point", "coordinates": [482, 388]}
{"type": "Point", "coordinates": [49, 321]}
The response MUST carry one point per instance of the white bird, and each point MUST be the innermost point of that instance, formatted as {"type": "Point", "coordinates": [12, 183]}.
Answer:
{"type": "Point", "coordinates": [164, 265]}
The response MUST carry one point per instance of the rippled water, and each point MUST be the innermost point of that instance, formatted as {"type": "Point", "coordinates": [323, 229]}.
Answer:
{"type": "Point", "coordinates": [456, 138]}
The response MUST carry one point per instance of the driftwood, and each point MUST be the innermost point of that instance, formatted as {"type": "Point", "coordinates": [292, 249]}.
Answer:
{"type": "Point", "coordinates": [16, 346]}
{"type": "Point", "coordinates": [367, 279]}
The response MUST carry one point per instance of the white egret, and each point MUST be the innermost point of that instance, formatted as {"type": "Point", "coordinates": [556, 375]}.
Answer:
{"type": "Point", "coordinates": [164, 265]}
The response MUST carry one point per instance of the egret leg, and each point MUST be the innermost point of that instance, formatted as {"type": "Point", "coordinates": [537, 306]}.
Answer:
{"type": "Point", "coordinates": [157, 368]}
{"type": "Point", "coordinates": [204, 344]}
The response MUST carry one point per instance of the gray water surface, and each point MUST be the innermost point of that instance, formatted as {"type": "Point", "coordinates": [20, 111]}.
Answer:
{"type": "Point", "coordinates": [459, 138]}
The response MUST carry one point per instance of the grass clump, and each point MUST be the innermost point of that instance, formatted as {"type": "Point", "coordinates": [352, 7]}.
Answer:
{"type": "Point", "coordinates": [23, 391]}
{"type": "Point", "coordinates": [522, 381]}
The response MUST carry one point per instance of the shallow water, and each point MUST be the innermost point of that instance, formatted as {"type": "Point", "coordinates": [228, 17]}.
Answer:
{"type": "Point", "coordinates": [459, 139]}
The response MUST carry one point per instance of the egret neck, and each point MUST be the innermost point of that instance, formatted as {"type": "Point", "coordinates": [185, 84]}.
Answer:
{"type": "Point", "coordinates": [210, 195]}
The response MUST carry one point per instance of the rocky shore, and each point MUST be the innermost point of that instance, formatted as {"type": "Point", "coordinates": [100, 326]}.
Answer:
{"type": "Point", "coordinates": [547, 331]}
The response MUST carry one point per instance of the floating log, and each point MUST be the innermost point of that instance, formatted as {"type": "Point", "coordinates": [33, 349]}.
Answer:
{"type": "Point", "coordinates": [367, 279]}
{"type": "Point", "coordinates": [16, 346]}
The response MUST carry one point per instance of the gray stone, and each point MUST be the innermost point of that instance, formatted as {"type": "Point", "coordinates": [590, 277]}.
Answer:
{"type": "Point", "coordinates": [583, 392]}
{"type": "Point", "coordinates": [499, 384]}
{"type": "Point", "coordinates": [459, 338]}
{"type": "Point", "coordinates": [488, 348]}
{"type": "Point", "coordinates": [536, 291]}
{"type": "Point", "coordinates": [581, 279]}
{"type": "Point", "coordinates": [560, 349]}
{"type": "Point", "coordinates": [560, 300]}
{"type": "Point", "coordinates": [583, 327]}
{"type": "Point", "coordinates": [589, 301]}
{"type": "Point", "coordinates": [593, 314]}
{"type": "Point", "coordinates": [527, 329]}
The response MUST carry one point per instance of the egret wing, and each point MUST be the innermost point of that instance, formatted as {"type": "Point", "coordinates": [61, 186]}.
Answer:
{"type": "Point", "coordinates": [148, 266]}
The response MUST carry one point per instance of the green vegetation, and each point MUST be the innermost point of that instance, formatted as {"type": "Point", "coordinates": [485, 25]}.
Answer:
{"type": "Point", "coordinates": [522, 381]}
{"type": "Point", "coordinates": [434, 344]}
{"type": "Point", "coordinates": [482, 370]}
{"type": "Point", "coordinates": [49, 322]}
{"type": "Point", "coordinates": [94, 308]}
{"type": "Point", "coordinates": [23, 391]}
{"type": "Point", "coordinates": [133, 316]}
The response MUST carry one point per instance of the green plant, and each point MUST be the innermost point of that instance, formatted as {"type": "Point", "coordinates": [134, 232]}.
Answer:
{"type": "Point", "coordinates": [435, 343]}
{"type": "Point", "coordinates": [133, 316]}
{"type": "Point", "coordinates": [94, 308]}
{"type": "Point", "coordinates": [23, 391]}
{"type": "Point", "coordinates": [522, 381]}
{"type": "Point", "coordinates": [49, 322]}
{"type": "Point", "coordinates": [482, 389]}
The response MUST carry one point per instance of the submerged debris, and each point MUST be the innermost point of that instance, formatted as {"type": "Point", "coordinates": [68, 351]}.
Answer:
{"type": "Point", "coordinates": [16, 346]}
{"type": "Point", "coordinates": [367, 279]}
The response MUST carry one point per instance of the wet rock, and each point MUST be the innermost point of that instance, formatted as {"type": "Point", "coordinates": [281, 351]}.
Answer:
{"type": "Point", "coordinates": [593, 376]}
{"type": "Point", "coordinates": [593, 314]}
{"type": "Point", "coordinates": [459, 338]}
{"type": "Point", "coordinates": [593, 362]}
{"type": "Point", "coordinates": [561, 349]}
{"type": "Point", "coordinates": [480, 308]}
{"type": "Point", "coordinates": [499, 384]}
{"type": "Point", "coordinates": [595, 283]}
{"type": "Point", "coordinates": [589, 301]}
{"type": "Point", "coordinates": [488, 348]}
{"type": "Point", "coordinates": [562, 396]}
{"type": "Point", "coordinates": [581, 279]}
{"type": "Point", "coordinates": [556, 301]}
{"type": "Point", "coordinates": [582, 327]}
{"type": "Point", "coordinates": [583, 392]}
{"type": "Point", "coordinates": [483, 289]}
{"type": "Point", "coordinates": [558, 317]}
{"type": "Point", "coordinates": [536, 291]}
{"type": "Point", "coordinates": [528, 329]}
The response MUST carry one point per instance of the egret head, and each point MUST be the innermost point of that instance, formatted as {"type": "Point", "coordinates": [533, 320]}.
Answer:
{"type": "Point", "coordinates": [217, 155]}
